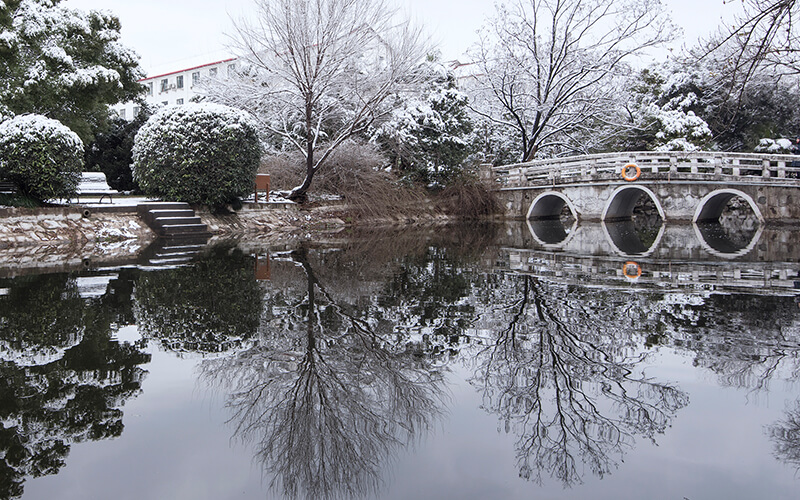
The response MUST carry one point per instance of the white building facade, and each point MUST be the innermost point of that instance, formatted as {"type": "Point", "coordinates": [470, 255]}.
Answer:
{"type": "Point", "coordinates": [175, 88]}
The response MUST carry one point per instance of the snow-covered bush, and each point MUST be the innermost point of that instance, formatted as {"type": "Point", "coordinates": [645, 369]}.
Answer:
{"type": "Point", "coordinates": [41, 156]}
{"type": "Point", "coordinates": [777, 146]}
{"type": "Point", "coordinates": [198, 153]}
{"type": "Point", "coordinates": [429, 138]}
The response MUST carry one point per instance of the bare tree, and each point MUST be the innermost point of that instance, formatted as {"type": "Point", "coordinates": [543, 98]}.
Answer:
{"type": "Point", "coordinates": [319, 72]}
{"type": "Point", "coordinates": [762, 37]}
{"type": "Point", "coordinates": [549, 69]}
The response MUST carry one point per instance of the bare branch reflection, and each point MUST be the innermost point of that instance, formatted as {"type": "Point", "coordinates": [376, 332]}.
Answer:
{"type": "Point", "coordinates": [565, 384]}
{"type": "Point", "coordinates": [785, 436]}
{"type": "Point", "coordinates": [326, 398]}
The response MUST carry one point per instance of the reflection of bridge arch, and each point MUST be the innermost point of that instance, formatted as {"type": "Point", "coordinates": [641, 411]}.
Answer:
{"type": "Point", "coordinates": [551, 234]}
{"type": "Point", "coordinates": [717, 243]}
{"type": "Point", "coordinates": [711, 206]}
{"type": "Point", "coordinates": [622, 201]}
{"type": "Point", "coordinates": [622, 237]}
{"type": "Point", "coordinates": [549, 205]}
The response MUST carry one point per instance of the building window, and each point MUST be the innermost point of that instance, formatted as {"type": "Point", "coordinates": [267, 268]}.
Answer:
{"type": "Point", "coordinates": [179, 81]}
{"type": "Point", "coordinates": [149, 88]}
{"type": "Point", "coordinates": [164, 83]}
{"type": "Point", "coordinates": [165, 103]}
{"type": "Point", "coordinates": [212, 72]}
{"type": "Point", "coordinates": [231, 67]}
{"type": "Point", "coordinates": [195, 78]}
{"type": "Point", "coordinates": [136, 110]}
{"type": "Point", "coordinates": [179, 101]}
{"type": "Point", "coordinates": [122, 113]}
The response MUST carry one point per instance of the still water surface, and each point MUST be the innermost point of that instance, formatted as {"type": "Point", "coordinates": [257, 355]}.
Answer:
{"type": "Point", "coordinates": [498, 361]}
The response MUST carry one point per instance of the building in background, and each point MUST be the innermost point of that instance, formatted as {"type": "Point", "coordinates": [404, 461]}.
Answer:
{"type": "Point", "coordinates": [175, 88]}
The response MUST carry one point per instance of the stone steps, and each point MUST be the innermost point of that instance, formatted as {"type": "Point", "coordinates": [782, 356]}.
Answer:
{"type": "Point", "coordinates": [172, 220]}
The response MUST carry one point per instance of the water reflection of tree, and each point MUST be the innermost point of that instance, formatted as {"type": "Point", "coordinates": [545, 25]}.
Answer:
{"type": "Point", "coordinates": [62, 379]}
{"type": "Point", "coordinates": [785, 436]}
{"type": "Point", "coordinates": [210, 306]}
{"type": "Point", "coordinates": [327, 395]}
{"type": "Point", "coordinates": [562, 379]}
{"type": "Point", "coordinates": [747, 340]}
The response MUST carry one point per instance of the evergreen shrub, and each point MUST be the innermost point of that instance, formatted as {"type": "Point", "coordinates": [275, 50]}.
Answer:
{"type": "Point", "coordinates": [198, 153]}
{"type": "Point", "coordinates": [41, 156]}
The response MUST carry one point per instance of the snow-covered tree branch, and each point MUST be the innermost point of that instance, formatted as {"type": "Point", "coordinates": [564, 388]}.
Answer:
{"type": "Point", "coordinates": [319, 72]}
{"type": "Point", "coordinates": [65, 64]}
{"type": "Point", "coordinates": [550, 67]}
{"type": "Point", "coordinates": [763, 36]}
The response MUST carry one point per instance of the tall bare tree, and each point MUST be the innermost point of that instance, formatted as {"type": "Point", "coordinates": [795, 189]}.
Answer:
{"type": "Point", "coordinates": [763, 34]}
{"type": "Point", "coordinates": [550, 69]}
{"type": "Point", "coordinates": [321, 71]}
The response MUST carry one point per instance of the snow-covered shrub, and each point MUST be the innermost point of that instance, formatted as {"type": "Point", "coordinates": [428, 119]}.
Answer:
{"type": "Point", "coordinates": [198, 153]}
{"type": "Point", "coordinates": [41, 156]}
{"type": "Point", "coordinates": [429, 137]}
{"type": "Point", "coordinates": [777, 146]}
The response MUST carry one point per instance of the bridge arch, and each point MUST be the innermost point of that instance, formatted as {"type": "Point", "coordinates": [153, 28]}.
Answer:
{"type": "Point", "coordinates": [711, 206]}
{"type": "Point", "coordinates": [622, 201]}
{"type": "Point", "coordinates": [549, 205]}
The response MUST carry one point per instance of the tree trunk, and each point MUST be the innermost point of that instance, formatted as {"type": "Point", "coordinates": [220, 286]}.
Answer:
{"type": "Point", "coordinates": [299, 193]}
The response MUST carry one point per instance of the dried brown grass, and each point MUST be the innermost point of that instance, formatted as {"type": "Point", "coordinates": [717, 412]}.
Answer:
{"type": "Point", "coordinates": [468, 199]}
{"type": "Point", "coordinates": [355, 172]}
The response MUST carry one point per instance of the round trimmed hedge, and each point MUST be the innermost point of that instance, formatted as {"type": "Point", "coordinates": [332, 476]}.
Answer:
{"type": "Point", "coordinates": [198, 153]}
{"type": "Point", "coordinates": [41, 156]}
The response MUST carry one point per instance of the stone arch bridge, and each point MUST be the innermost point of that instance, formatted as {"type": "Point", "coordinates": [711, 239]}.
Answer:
{"type": "Point", "coordinates": [683, 186]}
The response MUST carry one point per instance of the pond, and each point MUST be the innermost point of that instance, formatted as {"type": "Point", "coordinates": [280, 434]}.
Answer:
{"type": "Point", "coordinates": [509, 361]}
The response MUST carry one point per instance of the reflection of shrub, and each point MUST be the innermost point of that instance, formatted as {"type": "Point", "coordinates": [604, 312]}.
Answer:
{"type": "Point", "coordinates": [40, 318]}
{"type": "Point", "coordinates": [212, 306]}
{"type": "Point", "coordinates": [41, 156]}
{"type": "Point", "coordinates": [197, 153]}
{"type": "Point", "coordinates": [63, 380]}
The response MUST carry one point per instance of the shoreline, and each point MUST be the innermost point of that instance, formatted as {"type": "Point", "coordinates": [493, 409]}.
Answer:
{"type": "Point", "coordinates": [59, 239]}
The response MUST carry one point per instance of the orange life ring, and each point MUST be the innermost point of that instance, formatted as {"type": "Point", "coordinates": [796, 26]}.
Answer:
{"type": "Point", "coordinates": [633, 177]}
{"type": "Point", "coordinates": [631, 276]}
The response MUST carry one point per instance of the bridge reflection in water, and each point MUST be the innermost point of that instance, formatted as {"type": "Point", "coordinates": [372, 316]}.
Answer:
{"type": "Point", "coordinates": [663, 255]}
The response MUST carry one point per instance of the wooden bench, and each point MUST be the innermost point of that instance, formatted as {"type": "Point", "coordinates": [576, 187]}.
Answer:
{"type": "Point", "coordinates": [94, 184]}
{"type": "Point", "coordinates": [7, 187]}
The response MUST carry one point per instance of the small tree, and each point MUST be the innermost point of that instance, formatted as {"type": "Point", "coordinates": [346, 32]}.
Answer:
{"type": "Point", "coordinates": [197, 153]}
{"type": "Point", "coordinates": [429, 138]}
{"type": "Point", "coordinates": [41, 156]}
{"type": "Point", "coordinates": [663, 112]}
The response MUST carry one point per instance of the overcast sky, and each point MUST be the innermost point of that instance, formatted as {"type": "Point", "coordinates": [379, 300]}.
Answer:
{"type": "Point", "coordinates": [170, 35]}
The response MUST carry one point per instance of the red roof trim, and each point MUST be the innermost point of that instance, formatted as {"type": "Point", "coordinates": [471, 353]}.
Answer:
{"type": "Point", "coordinates": [187, 69]}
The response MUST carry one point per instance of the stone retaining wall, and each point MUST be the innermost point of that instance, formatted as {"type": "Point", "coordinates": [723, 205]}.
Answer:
{"type": "Point", "coordinates": [69, 226]}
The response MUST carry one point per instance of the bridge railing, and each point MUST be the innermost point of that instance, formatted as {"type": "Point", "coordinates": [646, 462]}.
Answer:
{"type": "Point", "coordinates": [553, 170]}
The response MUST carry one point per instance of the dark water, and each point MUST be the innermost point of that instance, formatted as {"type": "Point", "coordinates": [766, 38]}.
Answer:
{"type": "Point", "coordinates": [512, 361]}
